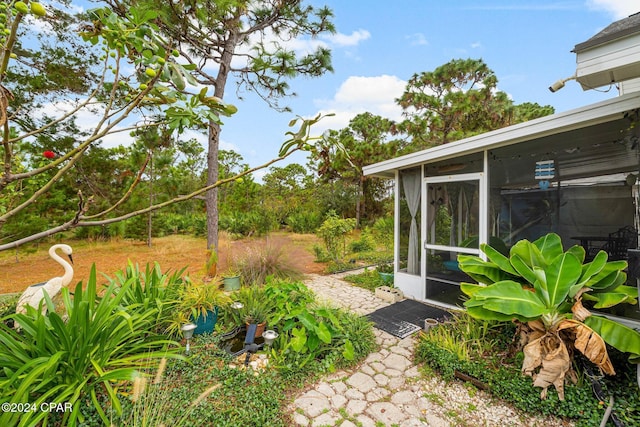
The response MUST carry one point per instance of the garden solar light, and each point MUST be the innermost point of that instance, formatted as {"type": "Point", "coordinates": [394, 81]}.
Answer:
{"type": "Point", "coordinates": [187, 331]}
{"type": "Point", "coordinates": [269, 337]}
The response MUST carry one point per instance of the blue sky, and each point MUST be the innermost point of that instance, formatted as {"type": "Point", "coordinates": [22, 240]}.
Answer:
{"type": "Point", "coordinates": [527, 43]}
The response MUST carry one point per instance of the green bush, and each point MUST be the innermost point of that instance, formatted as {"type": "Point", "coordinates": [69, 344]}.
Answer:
{"type": "Point", "coordinates": [304, 222]}
{"type": "Point", "coordinates": [368, 279]}
{"type": "Point", "coordinates": [363, 244]}
{"type": "Point", "coordinates": [493, 364]}
{"type": "Point", "coordinates": [250, 223]}
{"type": "Point", "coordinates": [333, 232]}
{"type": "Point", "coordinates": [79, 358]}
{"type": "Point", "coordinates": [382, 231]}
{"type": "Point", "coordinates": [313, 338]}
{"type": "Point", "coordinates": [149, 291]}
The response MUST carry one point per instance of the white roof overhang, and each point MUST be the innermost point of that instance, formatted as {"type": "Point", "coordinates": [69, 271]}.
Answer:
{"type": "Point", "coordinates": [591, 116]}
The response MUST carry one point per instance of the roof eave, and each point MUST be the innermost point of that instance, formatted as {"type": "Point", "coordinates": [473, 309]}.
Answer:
{"type": "Point", "coordinates": [592, 114]}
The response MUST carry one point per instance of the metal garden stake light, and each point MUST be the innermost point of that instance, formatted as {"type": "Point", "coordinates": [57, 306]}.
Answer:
{"type": "Point", "coordinates": [187, 331]}
{"type": "Point", "coordinates": [269, 337]}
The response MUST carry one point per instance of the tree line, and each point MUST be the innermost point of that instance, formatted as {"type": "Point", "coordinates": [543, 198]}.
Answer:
{"type": "Point", "coordinates": [144, 61]}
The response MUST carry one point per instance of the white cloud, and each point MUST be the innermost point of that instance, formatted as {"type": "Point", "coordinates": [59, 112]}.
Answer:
{"type": "Point", "coordinates": [354, 39]}
{"type": "Point", "coordinates": [476, 45]}
{"type": "Point", "coordinates": [618, 8]}
{"type": "Point", "coordinates": [417, 39]}
{"type": "Point", "coordinates": [359, 94]}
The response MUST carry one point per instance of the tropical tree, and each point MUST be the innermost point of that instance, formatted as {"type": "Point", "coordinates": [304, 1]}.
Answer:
{"type": "Point", "coordinates": [542, 287]}
{"type": "Point", "coordinates": [247, 41]}
{"type": "Point", "coordinates": [457, 100]}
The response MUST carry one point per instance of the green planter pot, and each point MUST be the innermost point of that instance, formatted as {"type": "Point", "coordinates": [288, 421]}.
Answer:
{"type": "Point", "coordinates": [231, 283]}
{"type": "Point", "coordinates": [205, 324]}
{"type": "Point", "coordinates": [387, 278]}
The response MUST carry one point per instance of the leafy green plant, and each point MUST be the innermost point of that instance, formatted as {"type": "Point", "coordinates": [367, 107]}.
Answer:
{"type": "Point", "coordinates": [368, 279]}
{"type": "Point", "coordinates": [333, 232]}
{"type": "Point", "coordinates": [256, 304]}
{"type": "Point", "coordinates": [99, 345]}
{"type": "Point", "coordinates": [499, 369]}
{"type": "Point", "coordinates": [8, 305]}
{"type": "Point", "coordinates": [542, 287]}
{"type": "Point", "coordinates": [308, 333]}
{"type": "Point", "coordinates": [464, 336]}
{"type": "Point", "coordinates": [149, 290]}
{"type": "Point", "coordinates": [363, 244]}
{"type": "Point", "coordinates": [304, 222]}
{"type": "Point", "coordinates": [382, 230]}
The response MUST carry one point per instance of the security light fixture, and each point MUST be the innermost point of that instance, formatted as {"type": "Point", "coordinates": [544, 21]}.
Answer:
{"type": "Point", "coordinates": [560, 84]}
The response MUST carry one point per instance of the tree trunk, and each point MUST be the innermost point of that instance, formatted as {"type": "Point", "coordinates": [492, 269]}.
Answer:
{"type": "Point", "coordinates": [211, 196]}
{"type": "Point", "coordinates": [214, 144]}
{"type": "Point", "coordinates": [149, 216]}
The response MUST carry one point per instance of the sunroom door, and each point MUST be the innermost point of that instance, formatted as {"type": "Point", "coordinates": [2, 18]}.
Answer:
{"type": "Point", "coordinates": [455, 223]}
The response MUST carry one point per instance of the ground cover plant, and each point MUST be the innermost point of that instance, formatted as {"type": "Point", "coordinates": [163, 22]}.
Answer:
{"type": "Point", "coordinates": [486, 351]}
{"type": "Point", "coordinates": [206, 389]}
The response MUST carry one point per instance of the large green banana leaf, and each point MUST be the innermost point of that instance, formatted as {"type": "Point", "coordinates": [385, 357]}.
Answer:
{"type": "Point", "coordinates": [617, 335]}
{"type": "Point", "coordinates": [509, 297]}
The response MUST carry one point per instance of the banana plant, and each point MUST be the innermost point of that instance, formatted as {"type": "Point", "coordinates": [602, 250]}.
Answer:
{"type": "Point", "coordinates": [542, 287]}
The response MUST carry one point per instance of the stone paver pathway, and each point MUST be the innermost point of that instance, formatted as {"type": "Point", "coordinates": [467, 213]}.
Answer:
{"type": "Point", "coordinates": [387, 389]}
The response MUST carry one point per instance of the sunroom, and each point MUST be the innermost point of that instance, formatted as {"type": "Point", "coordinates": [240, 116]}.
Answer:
{"type": "Point", "coordinates": [574, 173]}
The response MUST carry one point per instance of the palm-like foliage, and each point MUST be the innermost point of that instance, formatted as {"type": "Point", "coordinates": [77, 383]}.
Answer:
{"type": "Point", "coordinates": [542, 287]}
{"type": "Point", "coordinates": [89, 352]}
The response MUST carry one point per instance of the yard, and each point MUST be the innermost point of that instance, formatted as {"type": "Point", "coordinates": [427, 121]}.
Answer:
{"type": "Point", "coordinates": [27, 266]}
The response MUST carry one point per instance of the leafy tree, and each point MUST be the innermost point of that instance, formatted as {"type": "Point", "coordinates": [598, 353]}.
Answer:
{"type": "Point", "coordinates": [342, 155]}
{"type": "Point", "coordinates": [288, 190]}
{"type": "Point", "coordinates": [245, 40]}
{"type": "Point", "coordinates": [132, 69]}
{"type": "Point", "coordinates": [457, 100]}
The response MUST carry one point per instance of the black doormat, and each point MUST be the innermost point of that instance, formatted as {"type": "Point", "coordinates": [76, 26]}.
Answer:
{"type": "Point", "coordinates": [405, 317]}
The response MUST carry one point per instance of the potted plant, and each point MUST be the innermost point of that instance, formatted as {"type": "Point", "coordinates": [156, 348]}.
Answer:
{"type": "Point", "coordinates": [541, 287]}
{"type": "Point", "coordinates": [198, 303]}
{"type": "Point", "coordinates": [231, 280]}
{"type": "Point", "coordinates": [385, 271]}
{"type": "Point", "coordinates": [255, 307]}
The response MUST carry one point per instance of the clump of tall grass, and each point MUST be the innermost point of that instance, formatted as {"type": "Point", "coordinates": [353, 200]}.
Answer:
{"type": "Point", "coordinates": [262, 261]}
{"type": "Point", "coordinates": [463, 336]}
{"type": "Point", "coordinates": [151, 400]}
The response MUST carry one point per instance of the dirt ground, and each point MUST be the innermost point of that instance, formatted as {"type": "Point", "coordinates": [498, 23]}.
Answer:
{"type": "Point", "coordinates": [19, 269]}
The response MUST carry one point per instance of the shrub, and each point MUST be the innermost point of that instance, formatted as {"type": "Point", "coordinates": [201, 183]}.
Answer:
{"type": "Point", "coordinates": [78, 359]}
{"type": "Point", "coordinates": [313, 338]}
{"type": "Point", "coordinates": [260, 262]}
{"type": "Point", "coordinates": [493, 364]}
{"type": "Point", "coordinates": [333, 231]}
{"type": "Point", "coordinates": [363, 244]}
{"type": "Point", "coordinates": [304, 222]}
{"type": "Point", "coordinates": [369, 279]}
{"type": "Point", "coordinates": [382, 231]}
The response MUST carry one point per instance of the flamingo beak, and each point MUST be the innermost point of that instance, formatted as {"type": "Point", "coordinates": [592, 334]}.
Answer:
{"type": "Point", "coordinates": [70, 258]}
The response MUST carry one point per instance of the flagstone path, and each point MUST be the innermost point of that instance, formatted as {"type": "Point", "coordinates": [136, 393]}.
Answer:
{"type": "Point", "coordinates": [387, 389]}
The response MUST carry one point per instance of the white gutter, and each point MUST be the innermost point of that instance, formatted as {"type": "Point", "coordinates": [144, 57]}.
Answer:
{"type": "Point", "coordinates": [601, 112]}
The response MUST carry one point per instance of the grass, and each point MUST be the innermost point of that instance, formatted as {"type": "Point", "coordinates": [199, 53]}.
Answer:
{"type": "Point", "coordinates": [369, 279]}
